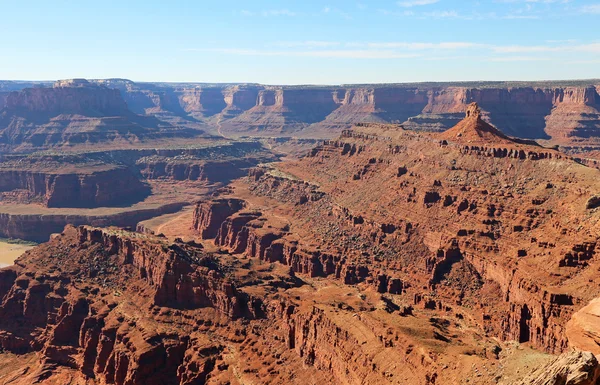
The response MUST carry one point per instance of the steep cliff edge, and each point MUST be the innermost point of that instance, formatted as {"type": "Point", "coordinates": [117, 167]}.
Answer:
{"type": "Point", "coordinates": [566, 112]}
{"type": "Point", "coordinates": [575, 118]}
{"type": "Point", "coordinates": [69, 183]}
{"type": "Point", "coordinates": [92, 329]}
{"type": "Point", "coordinates": [469, 217]}
{"type": "Point", "coordinates": [38, 227]}
{"type": "Point", "coordinates": [74, 112]}
{"type": "Point", "coordinates": [182, 168]}
{"type": "Point", "coordinates": [118, 187]}
{"type": "Point", "coordinates": [110, 306]}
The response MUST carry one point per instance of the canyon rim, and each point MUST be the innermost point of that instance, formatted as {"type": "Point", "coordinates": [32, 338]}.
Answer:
{"type": "Point", "coordinates": [244, 193]}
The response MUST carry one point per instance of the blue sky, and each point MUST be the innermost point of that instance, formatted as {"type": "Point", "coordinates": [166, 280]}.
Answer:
{"type": "Point", "coordinates": [299, 42]}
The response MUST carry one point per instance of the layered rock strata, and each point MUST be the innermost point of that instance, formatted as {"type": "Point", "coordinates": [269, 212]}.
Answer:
{"type": "Point", "coordinates": [89, 188]}
{"type": "Point", "coordinates": [403, 212]}
{"type": "Point", "coordinates": [567, 112]}
{"type": "Point", "coordinates": [115, 307]}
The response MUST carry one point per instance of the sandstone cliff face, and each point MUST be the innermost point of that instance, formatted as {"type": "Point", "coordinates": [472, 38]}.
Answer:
{"type": "Point", "coordinates": [519, 111]}
{"type": "Point", "coordinates": [193, 169]}
{"type": "Point", "coordinates": [239, 99]}
{"type": "Point", "coordinates": [3, 97]}
{"type": "Point", "coordinates": [86, 100]}
{"type": "Point", "coordinates": [208, 216]}
{"type": "Point", "coordinates": [117, 179]}
{"type": "Point", "coordinates": [104, 339]}
{"type": "Point", "coordinates": [250, 233]}
{"type": "Point", "coordinates": [483, 233]}
{"type": "Point", "coordinates": [522, 111]}
{"type": "Point", "coordinates": [167, 269]}
{"type": "Point", "coordinates": [205, 101]}
{"type": "Point", "coordinates": [575, 115]}
{"type": "Point", "coordinates": [570, 368]}
{"type": "Point", "coordinates": [569, 114]}
{"type": "Point", "coordinates": [116, 187]}
{"type": "Point", "coordinates": [122, 308]}
{"type": "Point", "coordinates": [320, 286]}
{"type": "Point", "coordinates": [74, 113]}
{"type": "Point", "coordinates": [39, 227]}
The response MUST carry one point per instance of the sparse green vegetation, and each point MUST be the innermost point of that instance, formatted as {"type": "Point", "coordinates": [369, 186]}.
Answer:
{"type": "Point", "coordinates": [15, 241]}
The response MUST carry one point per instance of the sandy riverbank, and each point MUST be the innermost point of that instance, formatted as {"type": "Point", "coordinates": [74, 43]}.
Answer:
{"type": "Point", "coordinates": [9, 252]}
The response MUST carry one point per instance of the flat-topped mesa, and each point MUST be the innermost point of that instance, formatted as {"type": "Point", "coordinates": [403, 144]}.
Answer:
{"type": "Point", "coordinates": [473, 129]}
{"type": "Point", "coordinates": [69, 181]}
{"type": "Point", "coordinates": [72, 83]}
{"type": "Point", "coordinates": [73, 113]}
{"type": "Point", "coordinates": [77, 97]}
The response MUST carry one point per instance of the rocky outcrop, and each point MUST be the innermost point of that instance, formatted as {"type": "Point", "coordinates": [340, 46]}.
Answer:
{"type": "Point", "coordinates": [182, 168]}
{"type": "Point", "coordinates": [251, 234]}
{"type": "Point", "coordinates": [39, 227]}
{"type": "Point", "coordinates": [234, 231]}
{"type": "Point", "coordinates": [473, 129]}
{"type": "Point", "coordinates": [105, 188]}
{"type": "Point", "coordinates": [438, 223]}
{"type": "Point", "coordinates": [574, 367]}
{"type": "Point", "coordinates": [327, 342]}
{"type": "Point", "coordinates": [583, 330]}
{"type": "Point", "coordinates": [208, 216]}
{"type": "Point", "coordinates": [284, 188]}
{"type": "Point", "coordinates": [99, 338]}
{"type": "Point", "coordinates": [171, 272]}
{"type": "Point", "coordinates": [479, 138]}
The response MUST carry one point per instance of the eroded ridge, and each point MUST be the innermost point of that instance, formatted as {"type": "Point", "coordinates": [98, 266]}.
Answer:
{"type": "Point", "coordinates": [384, 257]}
{"type": "Point", "coordinates": [488, 238]}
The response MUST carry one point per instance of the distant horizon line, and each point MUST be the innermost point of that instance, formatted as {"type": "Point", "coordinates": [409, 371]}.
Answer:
{"type": "Point", "coordinates": [592, 81]}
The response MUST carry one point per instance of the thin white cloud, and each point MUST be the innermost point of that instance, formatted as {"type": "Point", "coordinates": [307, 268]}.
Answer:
{"type": "Point", "coordinates": [597, 61]}
{"type": "Point", "coordinates": [336, 11]}
{"type": "Point", "coordinates": [591, 9]}
{"type": "Point", "coordinates": [520, 17]}
{"type": "Point", "coordinates": [345, 54]}
{"type": "Point", "coordinates": [306, 44]}
{"type": "Point", "coordinates": [524, 49]}
{"type": "Point", "coordinates": [278, 12]}
{"type": "Point", "coordinates": [518, 58]}
{"type": "Point", "coordinates": [535, 1]}
{"type": "Point", "coordinates": [426, 46]}
{"type": "Point", "coordinates": [269, 12]}
{"type": "Point", "coordinates": [589, 48]}
{"type": "Point", "coordinates": [415, 3]}
{"type": "Point", "coordinates": [443, 15]}
{"type": "Point", "coordinates": [561, 41]}
{"type": "Point", "coordinates": [423, 50]}
{"type": "Point", "coordinates": [411, 46]}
